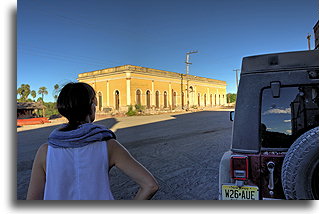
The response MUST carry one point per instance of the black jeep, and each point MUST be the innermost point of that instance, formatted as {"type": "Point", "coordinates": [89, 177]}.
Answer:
{"type": "Point", "coordinates": [275, 141]}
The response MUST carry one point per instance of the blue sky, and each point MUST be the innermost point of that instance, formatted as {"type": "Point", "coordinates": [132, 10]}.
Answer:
{"type": "Point", "coordinates": [58, 39]}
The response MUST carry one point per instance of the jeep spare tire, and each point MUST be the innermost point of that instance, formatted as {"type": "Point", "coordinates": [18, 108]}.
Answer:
{"type": "Point", "coordinates": [300, 169]}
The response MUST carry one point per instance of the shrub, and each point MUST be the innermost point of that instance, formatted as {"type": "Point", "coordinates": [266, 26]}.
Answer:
{"type": "Point", "coordinates": [139, 108]}
{"type": "Point", "coordinates": [51, 109]}
{"type": "Point", "coordinates": [130, 111]}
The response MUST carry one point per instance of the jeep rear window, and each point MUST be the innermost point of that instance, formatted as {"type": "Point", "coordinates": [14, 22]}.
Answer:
{"type": "Point", "coordinates": [285, 118]}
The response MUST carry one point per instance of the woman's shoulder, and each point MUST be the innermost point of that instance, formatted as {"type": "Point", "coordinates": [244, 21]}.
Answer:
{"type": "Point", "coordinates": [40, 158]}
{"type": "Point", "coordinates": [42, 151]}
{"type": "Point", "coordinates": [43, 148]}
{"type": "Point", "coordinates": [112, 143]}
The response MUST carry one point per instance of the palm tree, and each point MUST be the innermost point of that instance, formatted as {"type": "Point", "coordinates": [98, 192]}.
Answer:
{"type": "Point", "coordinates": [55, 92]}
{"type": "Point", "coordinates": [56, 87]}
{"type": "Point", "coordinates": [33, 94]}
{"type": "Point", "coordinates": [23, 91]}
{"type": "Point", "coordinates": [43, 91]}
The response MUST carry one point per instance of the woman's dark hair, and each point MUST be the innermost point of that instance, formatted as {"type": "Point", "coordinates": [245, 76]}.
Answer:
{"type": "Point", "coordinates": [75, 100]}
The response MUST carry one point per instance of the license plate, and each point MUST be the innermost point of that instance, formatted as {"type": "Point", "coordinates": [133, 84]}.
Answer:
{"type": "Point", "coordinates": [231, 192]}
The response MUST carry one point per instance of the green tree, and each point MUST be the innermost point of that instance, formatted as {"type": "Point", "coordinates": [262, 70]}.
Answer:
{"type": "Point", "coordinates": [231, 97]}
{"type": "Point", "coordinates": [33, 94]}
{"type": "Point", "coordinates": [51, 109]}
{"type": "Point", "coordinates": [56, 91]}
{"type": "Point", "coordinates": [56, 87]}
{"type": "Point", "coordinates": [43, 91]}
{"type": "Point", "coordinates": [23, 91]}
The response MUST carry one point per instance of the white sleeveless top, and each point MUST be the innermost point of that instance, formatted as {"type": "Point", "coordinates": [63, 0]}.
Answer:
{"type": "Point", "coordinates": [78, 173]}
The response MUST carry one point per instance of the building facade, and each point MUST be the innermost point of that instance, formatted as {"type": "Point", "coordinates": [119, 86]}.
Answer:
{"type": "Point", "coordinates": [122, 86]}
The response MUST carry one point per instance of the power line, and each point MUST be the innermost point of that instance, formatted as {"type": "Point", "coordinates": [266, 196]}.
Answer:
{"type": "Point", "coordinates": [77, 58]}
{"type": "Point", "coordinates": [60, 58]}
{"type": "Point", "coordinates": [53, 52]}
{"type": "Point", "coordinates": [151, 36]}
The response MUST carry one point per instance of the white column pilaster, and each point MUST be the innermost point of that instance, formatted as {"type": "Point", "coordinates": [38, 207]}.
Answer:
{"type": "Point", "coordinates": [153, 94]}
{"type": "Point", "coordinates": [128, 88]}
{"type": "Point", "coordinates": [107, 93]}
{"type": "Point", "coordinates": [170, 94]}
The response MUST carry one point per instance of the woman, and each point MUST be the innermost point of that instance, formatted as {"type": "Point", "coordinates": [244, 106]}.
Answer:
{"type": "Point", "coordinates": [75, 162]}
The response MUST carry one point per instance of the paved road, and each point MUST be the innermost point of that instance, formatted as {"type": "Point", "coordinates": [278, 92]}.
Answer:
{"type": "Point", "coordinates": [181, 150]}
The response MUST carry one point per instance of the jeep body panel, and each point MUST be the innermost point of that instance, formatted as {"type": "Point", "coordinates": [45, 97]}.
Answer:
{"type": "Point", "coordinates": [259, 72]}
{"type": "Point", "coordinates": [277, 158]}
{"type": "Point", "coordinates": [224, 170]}
{"type": "Point", "coordinates": [269, 75]}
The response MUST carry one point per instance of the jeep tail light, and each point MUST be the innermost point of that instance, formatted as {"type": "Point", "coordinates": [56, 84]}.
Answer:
{"type": "Point", "coordinates": [239, 167]}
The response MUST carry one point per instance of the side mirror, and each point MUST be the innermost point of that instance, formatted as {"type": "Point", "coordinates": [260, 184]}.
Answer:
{"type": "Point", "coordinates": [231, 115]}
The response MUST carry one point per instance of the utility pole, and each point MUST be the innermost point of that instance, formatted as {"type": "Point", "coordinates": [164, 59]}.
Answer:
{"type": "Point", "coordinates": [236, 77]}
{"type": "Point", "coordinates": [187, 71]}
{"type": "Point", "coordinates": [308, 37]}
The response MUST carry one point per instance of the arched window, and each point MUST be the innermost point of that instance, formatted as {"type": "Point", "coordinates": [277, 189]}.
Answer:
{"type": "Point", "coordinates": [148, 99]}
{"type": "Point", "coordinates": [198, 99]}
{"type": "Point", "coordinates": [219, 100]}
{"type": "Point", "coordinates": [174, 99]}
{"type": "Point", "coordinates": [138, 97]}
{"type": "Point", "coordinates": [100, 101]}
{"type": "Point", "coordinates": [165, 99]}
{"type": "Point", "coordinates": [157, 99]}
{"type": "Point", "coordinates": [117, 100]}
{"type": "Point", "coordinates": [223, 99]}
{"type": "Point", "coordinates": [211, 100]}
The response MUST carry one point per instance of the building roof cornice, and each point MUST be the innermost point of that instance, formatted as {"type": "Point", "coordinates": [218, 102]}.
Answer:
{"type": "Point", "coordinates": [146, 71]}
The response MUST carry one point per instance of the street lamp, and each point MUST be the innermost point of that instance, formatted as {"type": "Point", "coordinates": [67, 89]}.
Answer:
{"type": "Point", "coordinates": [187, 71]}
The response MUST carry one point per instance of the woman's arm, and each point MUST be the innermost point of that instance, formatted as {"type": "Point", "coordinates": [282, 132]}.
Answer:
{"type": "Point", "coordinates": [123, 160]}
{"type": "Point", "coordinates": [37, 181]}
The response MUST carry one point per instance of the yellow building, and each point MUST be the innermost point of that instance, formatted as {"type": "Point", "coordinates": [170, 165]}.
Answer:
{"type": "Point", "coordinates": [121, 86]}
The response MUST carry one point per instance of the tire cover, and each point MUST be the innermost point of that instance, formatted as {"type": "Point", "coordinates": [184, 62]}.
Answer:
{"type": "Point", "coordinates": [301, 158]}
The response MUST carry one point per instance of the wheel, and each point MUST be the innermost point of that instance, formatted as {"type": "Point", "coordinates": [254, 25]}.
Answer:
{"type": "Point", "coordinates": [300, 169]}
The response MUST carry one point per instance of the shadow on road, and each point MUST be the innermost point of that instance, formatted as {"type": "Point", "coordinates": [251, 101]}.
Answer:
{"type": "Point", "coordinates": [182, 152]}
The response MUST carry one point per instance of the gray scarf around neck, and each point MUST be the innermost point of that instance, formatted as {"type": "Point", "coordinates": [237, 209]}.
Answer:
{"type": "Point", "coordinates": [85, 134]}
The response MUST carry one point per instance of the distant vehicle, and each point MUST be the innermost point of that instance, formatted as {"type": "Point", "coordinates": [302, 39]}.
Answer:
{"type": "Point", "coordinates": [275, 141]}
